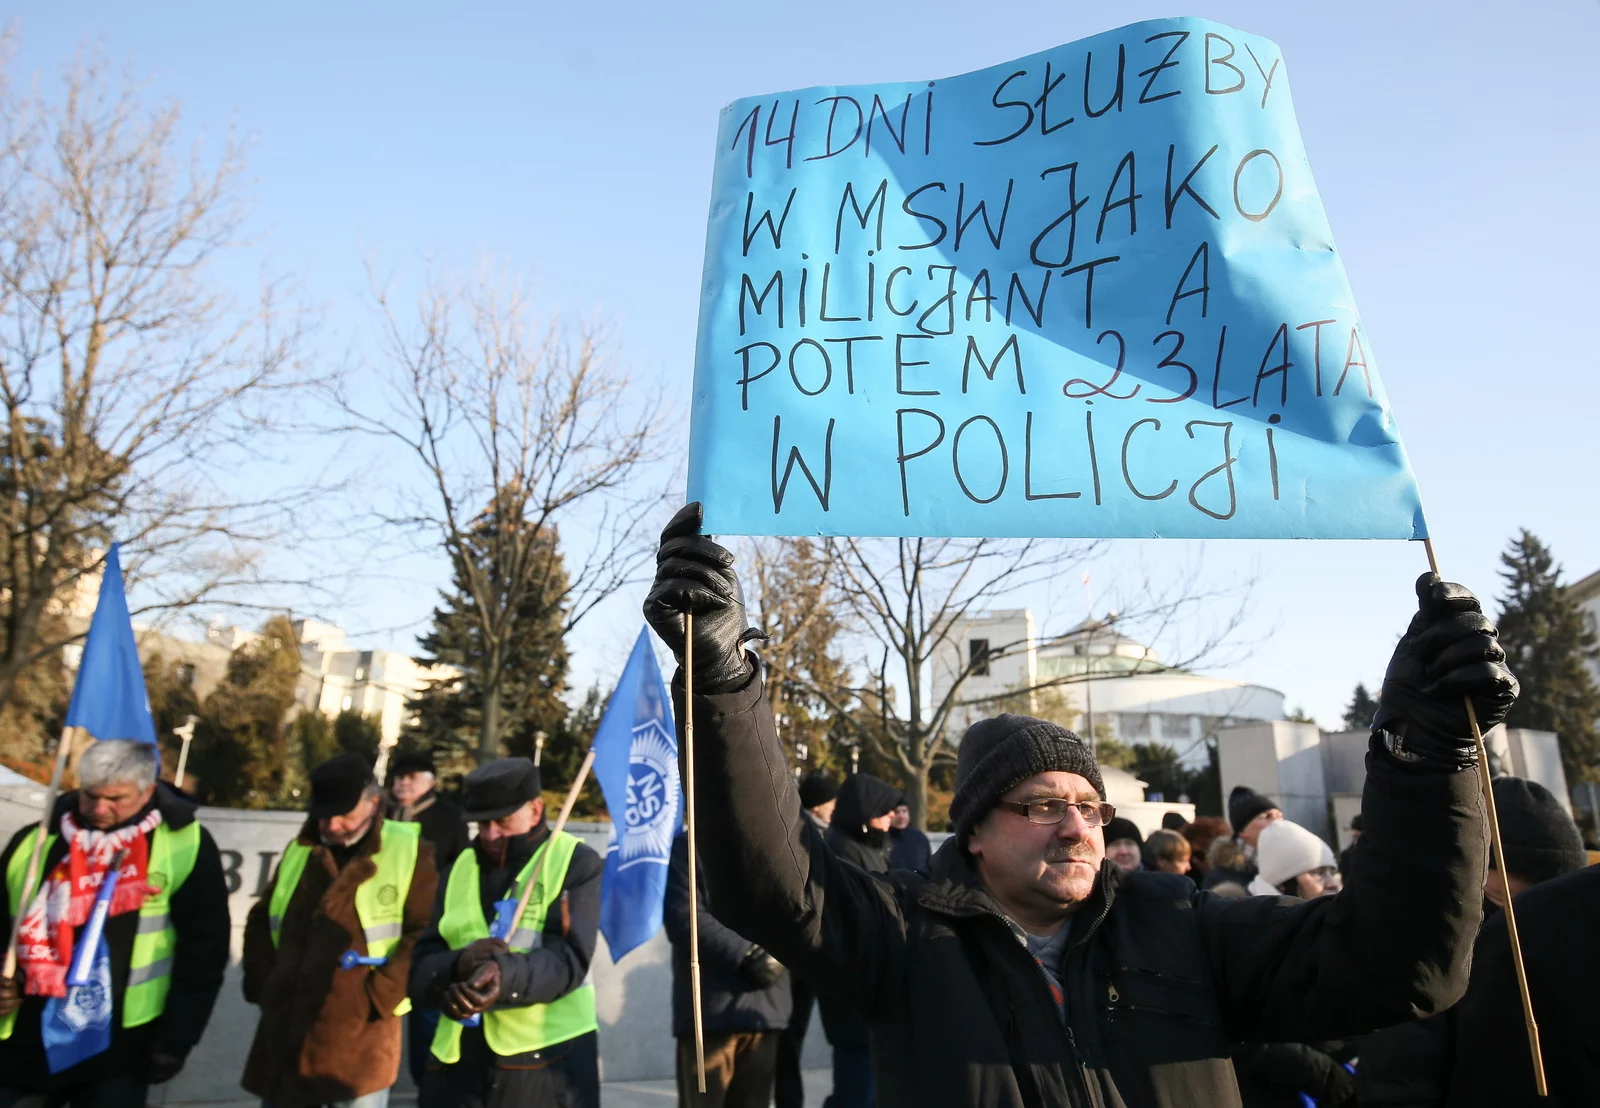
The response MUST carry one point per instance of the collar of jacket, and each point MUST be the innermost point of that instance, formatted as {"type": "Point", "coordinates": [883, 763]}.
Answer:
{"type": "Point", "coordinates": [311, 835]}
{"type": "Point", "coordinates": [177, 811]}
{"type": "Point", "coordinates": [408, 813]}
{"type": "Point", "coordinates": [953, 888]}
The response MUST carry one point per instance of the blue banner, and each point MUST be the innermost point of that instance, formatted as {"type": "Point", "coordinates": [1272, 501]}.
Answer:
{"type": "Point", "coordinates": [1092, 292]}
{"type": "Point", "coordinates": [109, 700]}
{"type": "Point", "coordinates": [636, 763]}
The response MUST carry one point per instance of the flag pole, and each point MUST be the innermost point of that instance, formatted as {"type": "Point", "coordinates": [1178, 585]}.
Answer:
{"type": "Point", "coordinates": [694, 860]}
{"type": "Point", "coordinates": [186, 733]}
{"type": "Point", "coordinates": [35, 855]}
{"type": "Point", "coordinates": [559, 826]}
{"type": "Point", "coordinates": [1487, 784]}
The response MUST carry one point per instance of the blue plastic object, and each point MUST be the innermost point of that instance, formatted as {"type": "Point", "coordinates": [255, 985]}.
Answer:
{"type": "Point", "coordinates": [350, 960]}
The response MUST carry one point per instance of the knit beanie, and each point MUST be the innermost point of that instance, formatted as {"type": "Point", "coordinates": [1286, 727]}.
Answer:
{"type": "Point", "coordinates": [1245, 804]}
{"type": "Point", "coordinates": [1286, 851]}
{"type": "Point", "coordinates": [817, 787]}
{"type": "Point", "coordinates": [1540, 840]}
{"type": "Point", "coordinates": [1121, 828]}
{"type": "Point", "coordinates": [997, 754]}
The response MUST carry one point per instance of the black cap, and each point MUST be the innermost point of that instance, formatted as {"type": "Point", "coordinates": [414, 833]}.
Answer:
{"type": "Point", "coordinates": [500, 787]}
{"type": "Point", "coordinates": [337, 784]}
{"type": "Point", "coordinates": [1245, 804]}
{"type": "Point", "coordinates": [817, 787]}
{"type": "Point", "coordinates": [411, 761]}
{"type": "Point", "coordinates": [1173, 821]}
{"type": "Point", "coordinates": [998, 754]}
{"type": "Point", "coordinates": [1540, 840]}
{"type": "Point", "coordinates": [1121, 828]}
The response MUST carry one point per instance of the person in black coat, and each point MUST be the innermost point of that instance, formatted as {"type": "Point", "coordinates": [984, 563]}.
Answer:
{"type": "Point", "coordinates": [1024, 970]}
{"type": "Point", "coordinates": [120, 791]}
{"type": "Point", "coordinates": [858, 833]}
{"type": "Point", "coordinates": [1475, 1055]}
{"type": "Point", "coordinates": [819, 793]}
{"type": "Point", "coordinates": [414, 798]}
{"type": "Point", "coordinates": [744, 998]}
{"type": "Point", "coordinates": [908, 847]}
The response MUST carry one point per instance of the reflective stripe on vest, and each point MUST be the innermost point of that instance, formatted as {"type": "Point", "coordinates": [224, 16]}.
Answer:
{"type": "Point", "coordinates": [531, 1027]}
{"type": "Point", "coordinates": [380, 900]}
{"type": "Point", "coordinates": [155, 942]}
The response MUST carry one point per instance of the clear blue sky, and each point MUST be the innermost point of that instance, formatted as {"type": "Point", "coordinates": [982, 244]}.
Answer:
{"type": "Point", "coordinates": [1454, 145]}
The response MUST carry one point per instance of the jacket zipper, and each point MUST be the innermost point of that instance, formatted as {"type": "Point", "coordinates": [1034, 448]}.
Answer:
{"type": "Point", "coordinates": [1084, 1095]}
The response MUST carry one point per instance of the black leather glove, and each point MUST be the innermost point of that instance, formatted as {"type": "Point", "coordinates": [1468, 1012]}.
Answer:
{"type": "Point", "coordinates": [475, 954]}
{"type": "Point", "coordinates": [759, 970]}
{"type": "Point", "coordinates": [1448, 653]}
{"type": "Point", "coordinates": [470, 997]}
{"type": "Point", "coordinates": [695, 575]}
{"type": "Point", "coordinates": [162, 1067]}
{"type": "Point", "coordinates": [10, 994]}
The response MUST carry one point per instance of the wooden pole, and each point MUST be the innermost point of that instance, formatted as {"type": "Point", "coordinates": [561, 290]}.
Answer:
{"type": "Point", "coordinates": [559, 826]}
{"type": "Point", "coordinates": [694, 858]}
{"type": "Point", "coordinates": [1487, 784]}
{"type": "Point", "coordinates": [36, 855]}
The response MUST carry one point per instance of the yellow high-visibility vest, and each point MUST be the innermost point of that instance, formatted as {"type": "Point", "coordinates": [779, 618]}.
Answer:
{"type": "Point", "coordinates": [534, 1026]}
{"type": "Point", "coordinates": [172, 858]}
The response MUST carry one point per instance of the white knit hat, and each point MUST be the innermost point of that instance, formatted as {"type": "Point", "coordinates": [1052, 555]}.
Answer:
{"type": "Point", "coordinates": [1286, 850]}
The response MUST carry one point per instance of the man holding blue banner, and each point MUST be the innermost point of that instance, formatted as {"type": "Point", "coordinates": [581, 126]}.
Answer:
{"type": "Point", "coordinates": [94, 1018]}
{"type": "Point", "coordinates": [1027, 970]}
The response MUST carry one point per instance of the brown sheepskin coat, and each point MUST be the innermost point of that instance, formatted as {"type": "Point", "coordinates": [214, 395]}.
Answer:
{"type": "Point", "coordinates": [328, 1034]}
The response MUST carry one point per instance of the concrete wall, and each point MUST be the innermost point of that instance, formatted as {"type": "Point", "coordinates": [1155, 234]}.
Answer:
{"type": "Point", "coordinates": [633, 999]}
{"type": "Point", "coordinates": [1283, 760]}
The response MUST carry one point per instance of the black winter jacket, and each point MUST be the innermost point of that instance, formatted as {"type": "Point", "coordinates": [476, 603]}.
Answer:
{"type": "Point", "coordinates": [1559, 923]}
{"type": "Point", "coordinates": [441, 825]}
{"type": "Point", "coordinates": [727, 1006]}
{"type": "Point", "coordinates": [1160, 979]}
{"type": "Point", "coordinates": [200, 917]}
{"type": "Point", "coordinates": [868, 851]}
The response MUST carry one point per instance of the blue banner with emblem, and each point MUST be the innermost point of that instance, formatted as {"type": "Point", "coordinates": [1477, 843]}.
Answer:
{"type": "Point", "coordinates": [636, 763]}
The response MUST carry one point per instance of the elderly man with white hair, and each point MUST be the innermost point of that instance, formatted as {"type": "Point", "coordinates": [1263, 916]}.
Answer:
{"type": "Point", "coordinates": [166, 934]}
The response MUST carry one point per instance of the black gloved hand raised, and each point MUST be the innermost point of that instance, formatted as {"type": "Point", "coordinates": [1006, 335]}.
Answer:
{"type": "Point", "coordinates": [695, 575]}
{"type": "Point", "coordinates": [1448, 653]}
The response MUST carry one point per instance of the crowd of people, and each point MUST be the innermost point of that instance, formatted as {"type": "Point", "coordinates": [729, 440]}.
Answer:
{"type": "Point", "coordinates": [1049, 952]}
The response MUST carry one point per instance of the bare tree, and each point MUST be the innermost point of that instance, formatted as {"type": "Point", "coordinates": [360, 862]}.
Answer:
{"type": "Point", "coordinates": [535, 456]}
{"type": "Point", "coordinates": [135, 395]}
{"type": "Point", "coordinates": [908, 601]}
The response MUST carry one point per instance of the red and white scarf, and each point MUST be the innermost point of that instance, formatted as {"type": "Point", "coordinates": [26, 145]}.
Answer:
{"type": "Point", "coordinates": [66, 897]}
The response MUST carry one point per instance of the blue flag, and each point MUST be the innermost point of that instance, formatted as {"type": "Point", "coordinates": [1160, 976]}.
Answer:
{"type": "Point", "coordinates": [636, 763]}
{"type": "Point", "coordinates": [1090, 292]}
{"type": "Point", "coordinates": [109, 700]}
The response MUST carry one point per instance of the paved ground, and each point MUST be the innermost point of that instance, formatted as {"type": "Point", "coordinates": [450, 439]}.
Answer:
{"type": "Point", "coordinates": [613, 1094]}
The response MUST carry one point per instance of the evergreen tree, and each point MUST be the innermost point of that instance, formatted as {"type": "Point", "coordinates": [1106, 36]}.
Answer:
{"type": "Point", "coordinates": [523, 693]}
{"type": "Point", "coordinates": [169, 684]}
{"type": "Point", "coordinates": [240, 753]}
{"type": "Point", "coordinates": [1359, 712]}
{"type": "Point", "coordinates": [1549, 645]}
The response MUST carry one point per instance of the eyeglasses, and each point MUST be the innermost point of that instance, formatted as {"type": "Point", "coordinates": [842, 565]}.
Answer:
{"type": "Point", "coordinates": [1053, 809]}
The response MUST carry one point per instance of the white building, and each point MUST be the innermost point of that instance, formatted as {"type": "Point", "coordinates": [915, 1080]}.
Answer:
{"type": "Point", "coordinates": [377, 683]}
{"type": "Point", "coordinates": [333, 677]}
{"type": "Point", "coordinates": [1109, 677]}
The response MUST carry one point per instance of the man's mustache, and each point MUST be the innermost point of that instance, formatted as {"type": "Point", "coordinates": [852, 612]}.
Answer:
{"type": "Point", "coordinates": [1077, 852]}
